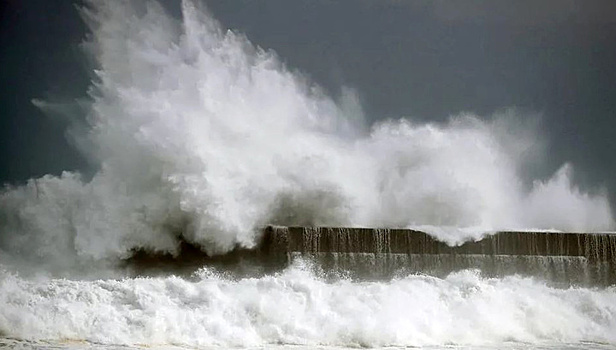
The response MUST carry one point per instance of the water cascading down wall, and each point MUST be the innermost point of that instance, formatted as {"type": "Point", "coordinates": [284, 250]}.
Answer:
{"type": "Point", "coordinates": [572, 258]}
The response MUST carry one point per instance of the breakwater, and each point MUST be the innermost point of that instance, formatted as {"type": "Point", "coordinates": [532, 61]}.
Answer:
{"type": "Point", "coordinates": [376, 254]}
{"type": "Point", "coordinates": [598, 247]}
{"type": "Point", "coordinates": [574, 258]}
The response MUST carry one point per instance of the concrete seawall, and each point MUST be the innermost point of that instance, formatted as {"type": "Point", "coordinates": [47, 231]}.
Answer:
{"type": "Point", "coordinates": [365, 253]}
{"type": "Point", "coordinates": [596, 247]}
{"type": "Point", "coordinates": [572, 258]}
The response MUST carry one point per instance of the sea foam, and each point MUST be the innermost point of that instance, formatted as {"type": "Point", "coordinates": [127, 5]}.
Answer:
{"type": "Point", "coordinates": [296, 307]}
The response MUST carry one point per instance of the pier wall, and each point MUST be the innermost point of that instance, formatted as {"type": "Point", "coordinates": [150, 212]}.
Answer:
{"type": "Point", "coordinates": [596, 247]}
{"type": "Point", "coordinates": [569, 258]}
{"type": "Point", "coordinates": [377, 254]}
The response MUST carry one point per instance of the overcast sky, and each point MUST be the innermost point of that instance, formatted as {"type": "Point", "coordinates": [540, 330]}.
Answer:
{"type": "Point", "coordinates": [425, 60]}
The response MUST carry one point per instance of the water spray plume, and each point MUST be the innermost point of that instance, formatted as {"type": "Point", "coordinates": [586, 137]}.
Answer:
{"type": "Point", "coordinates": [197, 135]}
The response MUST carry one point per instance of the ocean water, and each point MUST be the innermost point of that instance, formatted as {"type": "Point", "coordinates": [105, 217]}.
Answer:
{"type": "Point", "coordinates": [196, 135]}
{"type": "Point", "coordinates": [297, 308]}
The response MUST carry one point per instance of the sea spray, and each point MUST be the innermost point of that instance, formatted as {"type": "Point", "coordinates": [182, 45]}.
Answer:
{"type": "Point", "coordinates": [197, 135]}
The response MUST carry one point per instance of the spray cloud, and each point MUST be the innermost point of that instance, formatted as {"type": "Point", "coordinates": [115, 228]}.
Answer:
{"type": "Point", "coordinates": [202, 136]}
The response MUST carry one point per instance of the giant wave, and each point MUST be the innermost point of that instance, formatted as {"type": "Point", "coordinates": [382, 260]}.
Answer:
{"type": "Point", "coordinates": [198, 135]}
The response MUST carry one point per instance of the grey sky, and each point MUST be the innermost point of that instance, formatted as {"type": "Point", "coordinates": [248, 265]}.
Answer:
{"type": "Point", "coordinates": [422, 59]}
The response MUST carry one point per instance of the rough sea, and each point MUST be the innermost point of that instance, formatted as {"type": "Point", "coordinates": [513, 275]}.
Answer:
{"type": "Point", "coordinates": [197, 135]}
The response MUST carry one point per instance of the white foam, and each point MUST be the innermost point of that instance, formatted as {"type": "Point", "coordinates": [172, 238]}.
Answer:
{"type": "Point", "coordinates": [298, 308]}
{"type": "Point", "coordinates": [197, 133]}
